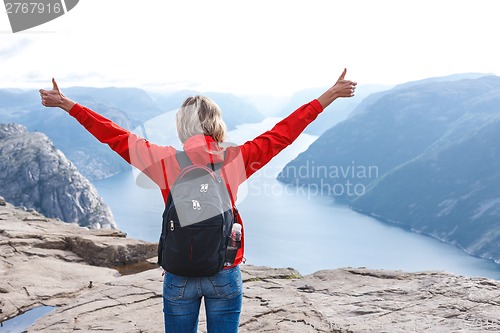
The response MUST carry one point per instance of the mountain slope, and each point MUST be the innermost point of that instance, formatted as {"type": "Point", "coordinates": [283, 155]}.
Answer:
{"type": "Point", "coordinates": [34, 174]}
{"type": "Point", "coordinates": [333, 114]}
{"type": "Point", "coordinates": [452, 191]}
{"type": "Point", "coordinates": [424, 156]}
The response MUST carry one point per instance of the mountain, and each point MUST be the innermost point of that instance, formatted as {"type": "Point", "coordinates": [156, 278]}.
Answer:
{"type": "Point", "coordinates": [377, 95]}
{"type": "Point", "coordinates": [235, 110]}
{"type": "Point", "coordinates": [424, 156]}
{"type": "Point", "coordinates": [128, 107]}
{"type": "Point", "coordinates": [135, 103]}
{"type": "Point", "coordinates": [36, 175]}
{"type": "Point", "coordinates": [335, 113]}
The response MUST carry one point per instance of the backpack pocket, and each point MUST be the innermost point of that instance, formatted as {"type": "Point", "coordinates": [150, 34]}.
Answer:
{"type": "Point", "coordinates": [194, 250]}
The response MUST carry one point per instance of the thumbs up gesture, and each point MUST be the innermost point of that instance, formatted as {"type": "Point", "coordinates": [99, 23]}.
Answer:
{"type": "Point", "coordinates": [342, 88]}
{"type": "Point", "coordinates": [54, 98]}
{"type": "Point", "coordinates": [345, 88]}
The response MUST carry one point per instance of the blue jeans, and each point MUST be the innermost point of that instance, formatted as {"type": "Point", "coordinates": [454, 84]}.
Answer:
{"type": "Point", "coordinates": [223, 296]}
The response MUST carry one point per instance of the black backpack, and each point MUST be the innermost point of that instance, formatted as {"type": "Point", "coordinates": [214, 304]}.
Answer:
{"type": "Point", "coordinates": [197, 221]}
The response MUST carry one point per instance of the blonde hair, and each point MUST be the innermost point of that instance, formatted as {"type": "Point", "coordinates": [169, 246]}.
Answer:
{"type": "Point", "coordinates": [200, 115]}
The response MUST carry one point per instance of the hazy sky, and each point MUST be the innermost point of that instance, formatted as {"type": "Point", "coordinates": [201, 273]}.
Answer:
{"type": "Point", "coordinates": [271, 46]}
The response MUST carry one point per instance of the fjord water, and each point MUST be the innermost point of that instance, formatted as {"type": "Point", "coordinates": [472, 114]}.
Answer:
{"type": "Point", "coordinates": [290, 227]}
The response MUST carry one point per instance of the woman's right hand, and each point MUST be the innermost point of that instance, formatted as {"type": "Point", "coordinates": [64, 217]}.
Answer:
{"type": "Point", "coordinates": [54, 98]}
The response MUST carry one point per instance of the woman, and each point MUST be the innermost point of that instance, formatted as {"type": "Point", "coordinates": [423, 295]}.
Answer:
{"type": "Point", "coordinates": [202, 131]}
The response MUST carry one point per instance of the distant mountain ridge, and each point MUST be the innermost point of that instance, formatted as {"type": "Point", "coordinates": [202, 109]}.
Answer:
{"type": "Point", "coordinates": [335, 113]}
{"type": "Point", "coordinates": [450, 78]}
{"type": "Point", "coordinates": [36, 175]}
{"type": "Point", "coordinates": [433, 149]}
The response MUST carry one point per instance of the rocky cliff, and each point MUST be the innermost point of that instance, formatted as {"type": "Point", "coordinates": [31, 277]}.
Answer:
{"type": "Point", "coordinates": [46, 262]}
{"type": "Point", "coordinates": [36, 175]}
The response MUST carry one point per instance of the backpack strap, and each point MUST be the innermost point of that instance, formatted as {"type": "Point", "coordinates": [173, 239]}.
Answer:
{"type": "Point", "coordinates": [182, 159]}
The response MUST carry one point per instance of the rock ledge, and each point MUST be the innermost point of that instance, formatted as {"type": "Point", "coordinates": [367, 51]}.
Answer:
{"type": "Point", "coordinates": [45, 262]}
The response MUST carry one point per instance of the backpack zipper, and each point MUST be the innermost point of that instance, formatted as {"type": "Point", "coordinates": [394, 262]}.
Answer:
{"type": "Point", "coordinates": [171, 225]}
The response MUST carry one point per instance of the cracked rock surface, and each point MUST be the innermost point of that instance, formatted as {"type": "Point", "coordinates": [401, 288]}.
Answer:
{"type": "Point", "coordinates": [279, 300]}
{"type": "Point", "coordinates": [48, 262]}
{"type": "Point", "coordinates": [40, 267]}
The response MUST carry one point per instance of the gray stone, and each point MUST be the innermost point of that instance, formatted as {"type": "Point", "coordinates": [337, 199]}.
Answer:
{"type": "Point", "coordinates": [45, 261]}
{"type": "Point", "coordinates": [40, 266]}
{"type": "Point", "coordinates": [36, 175]}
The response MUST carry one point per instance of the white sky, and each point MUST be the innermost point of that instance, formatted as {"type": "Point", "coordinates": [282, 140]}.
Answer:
{"type": "Point", "coordinates": [258, 46]}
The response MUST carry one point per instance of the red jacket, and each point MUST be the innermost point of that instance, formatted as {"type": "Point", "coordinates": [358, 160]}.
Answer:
{"type": "Point", "coordinates": [159, 162]}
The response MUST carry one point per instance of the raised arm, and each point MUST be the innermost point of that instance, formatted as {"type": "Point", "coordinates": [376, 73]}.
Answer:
{"type": "Point", "coordinates": [259, 151]}
{"type": "Point", "coordinates": [105, 130]}
{"type": "Point", "coordinates": [132, 148]}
